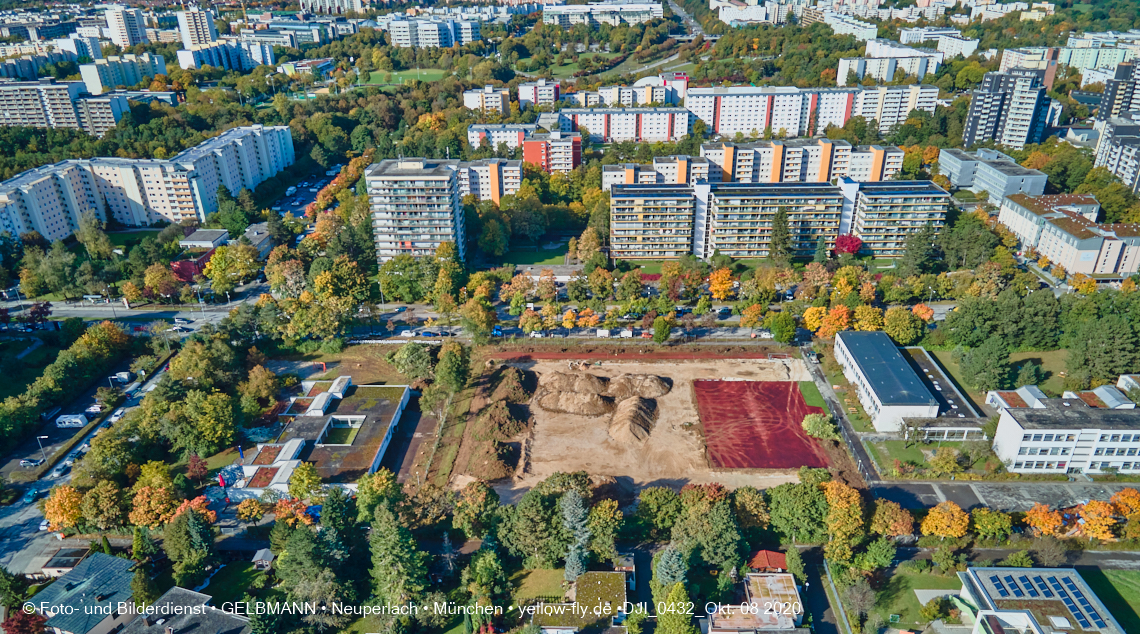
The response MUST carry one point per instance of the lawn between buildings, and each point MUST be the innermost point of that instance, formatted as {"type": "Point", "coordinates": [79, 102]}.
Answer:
{"type": "Point", "coordinates": [1119, 590]}
{"type": "Point", "coordinates": [897, 596]}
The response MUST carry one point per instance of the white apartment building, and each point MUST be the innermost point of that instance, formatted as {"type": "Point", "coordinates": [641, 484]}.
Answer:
{"type": "Point", "coordinates": [230, 54]}
{"type": "Point", "coordinates": [492, 134]}
{"type": "Point", "coordinates": [891, 105]}
{"type": "Point", "coordinates": [140, 192]}
{"type": "Point", "coordinates": [416, 207]}
{"type": "Point", "coordinates": [949, 41]}
{"type": "Point", "coordinates": [100, 113]}
{"type": "Point", "coordinates": [800, 161]}
{"type": "Point", "coordinates": [884, 59]}
{"type": "Point", "coordinates": [1026, 215]}
{"type": "Point", "coordinates": [885, 214]}
{"type": "Point", "coordinates": [489, 179]}
{"type": "Point", "coordinates": [433, 33]}
{"type": "Point", "coordinates": [196, 28]}
{"type": "Point", "coordinates": [125, 70]}
{"type": "Point", "coordinates": [665, 89]}
{"type": "Point", "coordinates": [628, 124]}
{"type": "Point", "coordinates": [489, 99]}
{"type": "Point", "coordinates": [839, 23]}
{"type": "Point", "coordinates": [888, 387]}
{"type": "Point", "coordinates": [50, 104]}
{"type": "Point", "coordinates": [785, 111]}
{"type": "Point", "coordinates": [538, 93]}
{"type": "Point", "coordinates": [334, 7]}
{"type": "Point", "coordinates": [596, 13]}
{"type": "Point", "coordinates": [682, 170]}
{"type": "Point", "coordinates": [126, 26]}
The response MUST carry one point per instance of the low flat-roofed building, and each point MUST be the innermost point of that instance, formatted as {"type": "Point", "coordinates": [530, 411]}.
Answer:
{"type": "Point", "coordinates": [991, 173]}
{"type": "Point", "coordinates": [258, 236]}
{"type": "Point", "coordinates": [205, 239]}
{"type": "Point", "coordinates": [1033, 601]}
{"type": "Point", "coordinates": [888, 387]}
{"type": "Point", "coordinates": [761, 592]}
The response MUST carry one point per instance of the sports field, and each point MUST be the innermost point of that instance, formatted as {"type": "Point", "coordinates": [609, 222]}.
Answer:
{"type": "Point", "coordinates": [756, 425]}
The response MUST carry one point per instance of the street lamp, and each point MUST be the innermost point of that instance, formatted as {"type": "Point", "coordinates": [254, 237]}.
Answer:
{"type": "Point", "coordinates": [42, 452]}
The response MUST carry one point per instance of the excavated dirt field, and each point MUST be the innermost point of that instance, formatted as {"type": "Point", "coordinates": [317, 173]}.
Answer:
{"type": "Point", "coordinates": [674, 453]}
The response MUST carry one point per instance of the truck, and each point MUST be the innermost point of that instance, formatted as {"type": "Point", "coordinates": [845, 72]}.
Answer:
{"type": "Point", "coordinates": [627, 333]}
{"type": "Point", "coordinates": [290, 191]}
{"type": "Point", "coordinates": [603, 333]}
{"type": "Point", "coordinates": [71, 420]}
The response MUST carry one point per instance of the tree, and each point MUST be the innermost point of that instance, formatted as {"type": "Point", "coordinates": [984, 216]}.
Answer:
{"type": "Point", "coordinates": [661, 330]}
{"type": "Point", "coordinates": [1126, 501]}
{"type": "Point", "coordinates": [102, 506]}
{"type": "Point", "coordinates": [813, 318]}
{"type": "Point", "coordinates": [588, 244]}
{"type": "Point", "coordinates": [880, 554]}
{"type": "Point", "coordinates": [902, 325]}
{"type": "Point", "coordinates": [1099, 519]}
{"type": "Point", "coordinates": [844, 520]}
{"type": "Point", "coordinates": [454, 367]}
{"type": "Point", "coordinates": [189, 542]}
{"type": "Point", "coordinates": [160, 280]}
{"type": "Point", "coordinates": [152, 507]}
{"type": "Point", "coordinates": [671, 567]}
{"type": "Point", "coordinates": [946, 520]}
{"type": "Point", "coordinates": [92, 237]}
{"type": "Point", "coordinates": [475, 510]}
{"type": "Point", "coordinates": [21, 622]}
{"type": "Point", "coordinates": [230, 265]}
{"type": "Point", "coordinates": [945, 461]}
{"type": "Point", "coordinates": [891, 520]}
{"type": "Point", "coordinates": [837, 320]}
{"type": "Point", "coordinates": [991, 524]}
{"type": "Point", "coordinates": [142, 544]}
{"type": "Point", "coordinates": [196, 467]}
{"type": "Point", "coordinates": [675, 618]}
{"type": "Point", "coordinates": [868, 318]}
{"type": "Point", "coordinates": [1045, 522]}
{"type": "Point", "coordinates": [63, 508]}
{"type": "Point", "coordinates": [305, 483]}
{"type": "Point", "coordinates": [1019, 559]}
{"type": "Point", "coordinates": [987, 366]}
{"type": "Point", "coordinates": [658, 509]}
{"type": "Point", "coordinates": [820, 426]}
{"type": "Point", "coordinates": [144, 591]}
{"type": "Point", "coordinates": [412, 360]}
{"type": "Point", "coordinates": [250, 510]}
{"type": "Point", "coordinates": [399, 571]}
{"type": "Point", "coordinates": [798, 512]}
{"type": "Point", "coordinates": [919, 253]}
{"type": "Point", "coordinates": [575, 563]}
{"type": "Point", "coordinates": [780, 246]}
{"type": "Point", "coordinates": [720, 283]}
{"type": "Point", "coordinates": [849, 244]}
{"type": "Point", "coordinates": [604, 522]}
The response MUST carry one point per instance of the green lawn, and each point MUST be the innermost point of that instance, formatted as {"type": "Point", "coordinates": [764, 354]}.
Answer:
{"type": "Point", "coordinates": [537, 257]}
{"type": "Point", "coordinates": [1052, 362]}
{"type": "Point", "coordinates": [887, 451]}
{"type": "Point", "coordinates": [652, 267]}
{"type": "Point", "coordinates": [1119, 590]}
{"type": "Point", "coordinates": [811, 394]}
{"type": "Point", "coordinates": [531, 584]}
{"type": "Point", "coordinates": [19, 374]}
{"type": "Point", "coordinates": [231, 582]}
{"type": "Point", "coordinates": [341, 435]}
{"type": "Point", "coordinates": [130, 238]}
{"type": "Point", "coordinates": [563, 72]}
{"type": "Point", "coordinates": [398, 77]}
{"type": "Point", "coordinates": [897, 596]}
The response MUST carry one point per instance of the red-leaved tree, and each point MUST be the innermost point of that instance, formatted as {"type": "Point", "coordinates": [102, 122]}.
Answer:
{"type": "Point", "coordinates": [848, 243]}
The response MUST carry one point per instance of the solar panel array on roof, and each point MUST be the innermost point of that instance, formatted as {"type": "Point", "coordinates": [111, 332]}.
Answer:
{"type": "Point", "coordinates": [1002, 592]}
{"type": "Point", "coordinates": [1044, 588]}
{"type": "Point", "coordinates": [1028, 586]}
{"type": "Point", "coordinates": [1013, 586]}
{"type": "Point", "coordinates": [1084, 602]}
{"type": "Point", "coordinates": [1077, 613]}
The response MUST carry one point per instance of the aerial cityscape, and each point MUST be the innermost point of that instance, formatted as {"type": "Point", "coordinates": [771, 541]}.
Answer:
{"type": "Point", "coordinates": [570, 317]}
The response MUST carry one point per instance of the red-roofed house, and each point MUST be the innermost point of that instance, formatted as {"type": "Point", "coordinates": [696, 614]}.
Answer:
{"type": "Point", "coordinates": [768, 561]}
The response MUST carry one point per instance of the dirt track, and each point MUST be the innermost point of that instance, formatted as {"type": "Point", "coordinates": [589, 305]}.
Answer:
{"type": "Point", "coordinates": [673, 455]}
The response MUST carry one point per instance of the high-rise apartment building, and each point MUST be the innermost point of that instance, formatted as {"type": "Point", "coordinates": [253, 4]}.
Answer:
{"type": "Point", "coordinates": [538, 93]}
{"type": "Point", "coordinates": [125, 70]}
{"type": "Point", "coordinates": [629, 124]}
{"type": "Point", "coordinates": [676, 170]}
{"type": "Point", "coordinates": [230, 54]}
{"type": "Point", "coordinates": [196, 28]}
{"type": "Point", "coordinates": [598, 13]}
{"type": "Point", "coordinates": [50, 104]}
{"type": "Point", "coordinates": [1120, 92]}
{"type": "Point", "coordinates": [415, 207]}
{"type": "Point", "coordinates": [489, 179]}
{"type": "Point", "coordinates": [554, 152]}
{"type": "Point", "coordinates": [139, 192]}
{"type": "Point", "coordinates": [492, 134]}
{"type": "Point", "coordinates": [433, 33]}
{"type": "Point", "coordinates": [651, 221]}
{"type": "Point", "coordinates": [127, 26]}
{"type": "Point", "coordinates": [488, 99]}
{"type": "Point", "coordinates": [800, 161]}
{"type": "Point", "coordinates": [891, 105]}
{"type": "Point", "coordinates": [782, 111]}
{"type": "Point", "coordinates": [885, 214]}
{"type": "Point", "coordinates": [1009, 108]}
{"type": "Point", "coordinates": [333, 7]}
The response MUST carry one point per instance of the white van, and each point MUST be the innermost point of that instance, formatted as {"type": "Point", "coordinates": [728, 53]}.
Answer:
{"type": "Point", "coordinates": [603, 334]}
{"type": "Point", "coordinates": [290, 191]}
{"type": "Point", "coordinates": [71, 420]}
{"type": "Point", "coordinates": [627, 333]}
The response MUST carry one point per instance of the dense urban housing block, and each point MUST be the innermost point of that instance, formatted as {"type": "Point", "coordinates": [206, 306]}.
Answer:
{"type": "Point", "coordinates": [415, 206]}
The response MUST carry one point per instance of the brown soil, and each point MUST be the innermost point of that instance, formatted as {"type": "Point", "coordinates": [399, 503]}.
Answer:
{"type": "Point", "coordinates": [576, 403]}
{"type": "Point", "coordinates": [633, 420]}
{"type": "Point", "coordinates": [630, 352]}
{"type": "Point", "coordinates": [489, 461]}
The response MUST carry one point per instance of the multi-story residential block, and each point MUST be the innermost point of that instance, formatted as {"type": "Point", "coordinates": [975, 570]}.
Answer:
{"type": "Point", "coordinates": [651, 221]}
{"type": "Point", "coordinates": [230, 54]}
{"type": "Point", "coordinates": [492, 134]}
{"type": "Point", "coordinates": [628, 124]}
{"type": "Point", "coordinates": [1027, 215]}
{"type": "Point", "coordinates": [839, 23]}
{"type": "Point", "coordinates": [597, 13]}
{"type": "Point", "coordinates": [680, 170]}
{"type": "Point", "coordinates": [196, 28]}
{"type": "Point", "coordinates": [664, 89]}
{"type": "Point", "coordinates": [887, 386]}
{"type": "Point", "coordinates": [334, 7]}
{"type": "Point", "coordinates": [1118, 148]}
{"type": "Point", "coordinates": [416, 207]}
{"type": "Point", "coordinates": [991, 173]}
{"type": "Point", "coordinates": [125, 70]}
{"type": "Point", "coordinates": [80, 46]}
{"type": "Point", "coordinates": [1120, 91]}
{"type": "Point", "coordinates": [555, 151]}
{"type": "Point", "coordinates": [139, 192]}
{"type": "Point", "coordinates": [50, 104]}
{"type": "Point", "coordinates": [891, 105]}
{"type": "Point", "coordinates": [800, 161]}
{"type": "Point", "coordinates": [488, 99]}
{"type": "Point", "coordinates": [489, 179]}
{"type": "Point", "coordinates": [1108, 251]}
{"type": "Point", "coordinates": [751, 110]}
{"type": "Point", "coordinates": [126, 26]}
{"type": "Point", "coordinates": [1044, 59]}
{"type": "Point", "coordinates": [737, 13]}
{"type": "Point", "coordinates": [1009, 108]}
{"type": "Point", "coordinates": [1037, 434]}
{"type": "Point", "coordinates": [433, 33]}
{"type": "Point", "coordinates": [885, 214]}
{"type": "Point", "coordinates": [949, 41]}
{"type": "Point", "coordinates": [538, 93]}
{"type": "Point", "coordinates": [884, 59]}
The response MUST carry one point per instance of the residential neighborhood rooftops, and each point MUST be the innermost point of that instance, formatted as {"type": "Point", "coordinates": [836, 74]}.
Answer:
{"type": "Point", "coordinates": [182, 610]}
{"type": "Point", "coordinates": [762, 590]}
{"type": "Point", "coordinates": [80, 596]}
{"type": "Point", "coordinates": [1050, 203]}
{"type": "Point", "coordinates": [205, 238]}
{"type": "Point", "coordinates": [765, 559]}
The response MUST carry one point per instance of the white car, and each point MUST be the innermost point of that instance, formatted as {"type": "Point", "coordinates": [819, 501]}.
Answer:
{"type": "Point", "coordinates": [537, 334]}
{"type": "Point", "coordinates": [408, 333]}
{"type": "Point", "coordinates": [44, 525]}
{"type": "Point", "coordinates": [118, 415]}
{"type": "Point", "coordinates": [94, 409]}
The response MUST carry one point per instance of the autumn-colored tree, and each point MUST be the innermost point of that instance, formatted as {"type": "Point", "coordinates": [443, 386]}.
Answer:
{"type": "Point", "coordinates": [923, 312]}
{"type": "Point", "coordinates": [587, 318]}
{"type": "Point", "coordinates": [752, 316]}
{"type": "Point", "coordinates": [867, 292]}
{"type": "Point", "coordinates": [946, 520]}
{"type": "Point", "coordinates": [720, 283]}
{"type": "Point", "coordinates": [868, 318]}
{"type": "Point", "coordinates": [891, 520]}
{"type": "Point", "coordinates": [601, 283]}
{"type": "Point", "coordinates": [813, 318]}
{"type": "Point", "coordinates": [131, 292]}
{"type": "Point", "coordinates": [901, 325]}
{"type": "Point", "coordinates": [547, 287]}
{"type": "Point", "coordinates": [1126, 501]}
{"type": "Point", "coordinates": [292, 511]}
{"type": "Point", "coordinates": [21, 622]}
{"type": "Point", "coordinates": [1083, 284]}
{"type": "Point", "coordinates": [250, 510]}
{"type": "Point", "coordinates": [1044, 263]}
{"type": "Point", "coordinates": [196, 466]}
{"type": "Point", "coordinates": [63, 508]}
{"type": "Point", "coordinates": [1046, 522]}
{"type": "Point", "coordinates": [848, 243]}
{"type": "Point", "coordinates": [844, 519]}
{"type": "Point", "coordinates": [200, 504]}
{"type": "Point", "coordinates": [530, 321]}
{"type": "Point", "coordinates": [160, 280]}
{"type": "Point", "coordinates": [1059, 272]}
{"type": "Point", "coordinates": [152, 507]}
{"type": "Point", "coordinates": [1100, 520]}
{"type": "Point", "coordinates": [816, 275]}
{"type": "Point", "coordinates": [521, 283]}
{"type": "Point", "coordinates": [837, 320]}
{"type": "Point", "coordinates": [103, 505]}
{"type": "Point", "coordinates": [991, 523]}
{"type": "Point", "coordinates": [569, 319]}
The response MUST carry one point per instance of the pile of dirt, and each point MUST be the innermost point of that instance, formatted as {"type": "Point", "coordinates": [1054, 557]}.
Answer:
{"type": "Point", "coordinates": [633, 420]}
{"type": "Point", "coordinates": [511, 386]}
{"type": "Point", "coordinates": [580, 383]}
{"type": "Point", "coordinates": [491, 461]}
{"type": "Point", "coordinates": [497, 422]}
{"type": "Point", "coordinates": [624, 386]}
{"type": "Point", "coordinates": [582, 404]}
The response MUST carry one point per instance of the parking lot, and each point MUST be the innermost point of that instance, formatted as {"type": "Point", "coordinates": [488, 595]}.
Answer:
{"type": "Point", "coordinates": [951, 402]}
{"type": "Point", "coordinates": [305, 194]}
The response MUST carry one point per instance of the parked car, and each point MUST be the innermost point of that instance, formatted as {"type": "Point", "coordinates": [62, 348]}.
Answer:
{"type": "Point", "coordinates": [627, 333]}
{"type": "Point", "coordinates": [429, 333]}
{"type": "Point", "coordinates": [183, 320]}
{"type": "Point", "coordinates": [401, 309]}
{"type": "Point", "coordinates": [44, 525]}
{"type": "Point", "coordinates": [31, 462]}
{"type": "Point", "coordinates": [30, 496]}
{"type": "Point", "coordinates": [537, 334]}
{"type": "Point", "coordinates": [497, 331]}
{"type": "Point", "coordinates": [70, 459]}
{"type": "Point", "coordinates": [631, 316]}
{"type": "Point", "coordinates": [724, 313]}
{"type": "Point", "coordinates": [94, 409]}
{"type": "Point", "coordinates": [408, 333]}
{"type": "Point", "coordinates": [59, 471]}
{"type": "Point", "coordinates": [181, 329]}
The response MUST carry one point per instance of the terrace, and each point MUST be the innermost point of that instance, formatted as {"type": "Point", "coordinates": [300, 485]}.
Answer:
{"type": "Point", "coordinates": [599, 596]}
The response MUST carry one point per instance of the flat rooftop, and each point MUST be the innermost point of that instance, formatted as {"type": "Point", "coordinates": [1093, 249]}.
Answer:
{"type": "Point", "coordinates": [1058, 598]}
{"type": "Point", "coordinates": [887, 373]}
{"type": "Point", "coordinates": [1074, 413]}
{"type": "Point", "coordinates": [412, 167]}
{"type": "Point", "coordinates": [761, 590]}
